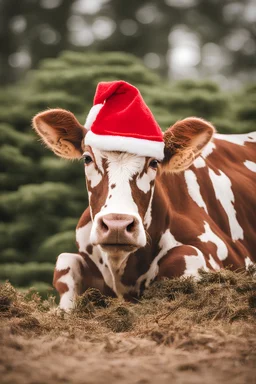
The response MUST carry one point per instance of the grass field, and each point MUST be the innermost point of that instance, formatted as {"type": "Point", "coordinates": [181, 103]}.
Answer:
{"type": "Point", "coordinates": [179, 332]}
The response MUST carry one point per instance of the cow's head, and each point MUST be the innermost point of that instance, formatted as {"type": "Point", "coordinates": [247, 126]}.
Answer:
{"type": "Point", "coordinates": [120, 184]}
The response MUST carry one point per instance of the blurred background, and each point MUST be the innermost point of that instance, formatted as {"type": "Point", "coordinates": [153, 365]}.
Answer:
{"type": "Point", "coordinates": [188, 57]}
{"type": "Point", "coordinates": [177, 38]}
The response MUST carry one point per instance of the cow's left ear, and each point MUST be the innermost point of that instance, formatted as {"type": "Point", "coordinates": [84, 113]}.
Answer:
{"type": "Point", "coordinates": [184, 141]}
{"type": "Point", "coordinates": [61, 132]}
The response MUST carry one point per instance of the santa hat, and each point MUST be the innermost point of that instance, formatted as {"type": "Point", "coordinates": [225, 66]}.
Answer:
{"type": "Point", "coordinates": [121, 121]}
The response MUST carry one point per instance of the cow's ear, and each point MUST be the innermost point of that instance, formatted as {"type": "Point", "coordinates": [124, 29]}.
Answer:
{"type": "Point", "coordinates": [61, 132]}
{"type": "Point", "coordinates": [184, 141]}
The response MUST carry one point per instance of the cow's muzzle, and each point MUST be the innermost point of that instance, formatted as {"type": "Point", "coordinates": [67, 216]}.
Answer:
{"type": "Point", "coordinates": [118, 230]}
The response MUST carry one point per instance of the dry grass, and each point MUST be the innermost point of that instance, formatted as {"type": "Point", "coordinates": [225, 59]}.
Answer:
{"type": "Point", "coordinates": [180, 330]}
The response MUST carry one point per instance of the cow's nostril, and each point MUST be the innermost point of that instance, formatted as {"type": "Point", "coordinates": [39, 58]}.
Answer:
{"type": "Point", "coordinates": [103, 226]}
{"type": "Point", "coordinates": [130, 227]}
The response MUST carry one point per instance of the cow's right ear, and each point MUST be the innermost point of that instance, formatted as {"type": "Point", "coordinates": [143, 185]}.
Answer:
{"type": "Point", "coordinates": [61, 132]}
{"type": "Point", "coordinates": [184, 142]}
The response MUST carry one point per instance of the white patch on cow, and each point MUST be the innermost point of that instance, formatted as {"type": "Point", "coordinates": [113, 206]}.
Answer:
{"type": "Point", "coordinates": [72, 278]}
{"type": "Point", "coordinates": [194, 263]}
{"type": "Point", "coordinates": [208, 149]}
{"type": "Point", "coordinates": [194, 189]}
{"type": "Point", "coordinates": [148, 215]}
{"type": "Point", "coordinates": [143, 182]}
{"type": "Point", "coordinates": [248, 262]}
{"type": "Point", "coordinates": [250, 165]}
{"type": "Point", "coordinates": [93, 175]}
{"type": "Point", "coordinates": [223, 191]}
{"type": "Point", "coordinates": [83, 236]}
{"type": "Point", "coordinates": [209, 235]}
{"type": "Point", "coordinates": [63, 261]}
{"type": "Point", "coordinates": [67, 299]}
{"type": "Point", "coordinates": [213, 263]}
{"type": "Point", "coordinates": [199, 162]}
{"type": "Point", "coordinates": [166, 243]}
{"type": "Point", "coordinates": [121, 169]}
{"type": "Point", "coordinates": [240, 139]}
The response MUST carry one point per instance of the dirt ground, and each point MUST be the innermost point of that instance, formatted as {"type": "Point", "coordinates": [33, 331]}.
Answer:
{"type": "Point", "coordinates": [179, 332]}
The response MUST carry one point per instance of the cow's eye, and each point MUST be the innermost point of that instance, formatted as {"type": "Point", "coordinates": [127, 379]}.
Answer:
{"type": "Point", "coordinates": [87, 159]}
{"type": "Point", "coordinates": [153, 164]}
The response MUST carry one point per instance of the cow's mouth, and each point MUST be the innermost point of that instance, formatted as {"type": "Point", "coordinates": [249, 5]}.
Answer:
{"type": "Point", "coordinates": [117, 248]}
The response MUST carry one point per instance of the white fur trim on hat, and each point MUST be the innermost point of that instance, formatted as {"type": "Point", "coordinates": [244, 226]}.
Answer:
{"type": "Point", "coordinates": [140, 147]}
{"type": "Point", "coordinates": [92, 115]}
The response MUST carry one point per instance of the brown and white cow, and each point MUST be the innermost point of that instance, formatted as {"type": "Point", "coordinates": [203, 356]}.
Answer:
{"type": "Point", "coordinates": [148, 220]}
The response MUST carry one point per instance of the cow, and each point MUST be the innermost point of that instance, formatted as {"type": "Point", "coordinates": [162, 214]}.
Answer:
{"type": "Point", "coordinates": [149, 219]}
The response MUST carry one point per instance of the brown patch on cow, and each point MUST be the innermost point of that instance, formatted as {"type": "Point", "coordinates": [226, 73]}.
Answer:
{"type": "Point", "coordinates": [92, 266]}
{"type": "Point", "coordinates": [112, 186]}
{"type": "Point", "coordinates": [110, 196]}
{"type": "Point", "coordinates": [59, 285]}
{"type": "Point", "coordinates": [89, 249]}
{"type": "Point", "coordinates": [99, 192]}
{"type": "Point", "coordinates": [173, 263]}
{"type": "Point", "coordinates": [84, 219]}
{"type": "Point", "coordinates": [100, 260]}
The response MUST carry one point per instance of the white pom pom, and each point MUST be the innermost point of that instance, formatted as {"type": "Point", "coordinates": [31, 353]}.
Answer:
{"type": "Point", "coordinates": [92, 115]}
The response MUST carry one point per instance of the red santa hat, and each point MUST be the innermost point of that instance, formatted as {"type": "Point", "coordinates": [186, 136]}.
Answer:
{"type": "Point", "coordinates": [121, 121]}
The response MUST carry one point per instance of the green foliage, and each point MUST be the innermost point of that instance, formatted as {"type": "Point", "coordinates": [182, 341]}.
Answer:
{"type": "Point", "coordinates": [42, 196]}
{"type": "Point", "coordinates": [55, 245]}
{"type": "Point", "coordinates": [23, 274]}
